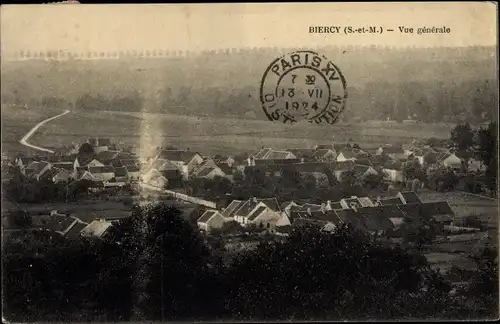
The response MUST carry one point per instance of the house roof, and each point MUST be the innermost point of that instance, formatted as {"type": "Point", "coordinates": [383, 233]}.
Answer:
{"type": "Point", "coordinates": [256, 213]}
{"type": "Point", "coordinates": [107, 155]}
{"type": "Point", "coordinates": [120, 172]}
{"type": "Point", "coordinates": [303, 153]}
{"type": "Point", "coordinates": [206, 216]}
{"type": "Point", "coordinates": [104, 141]}
{"type": "Point", "coordinates": [205, 171]}
{"type": "Point", "coordinates": [360, 169]}
{"type": "Point", "coordinates": [391, 201]}
{"type": "Point", "coordinates": [277, 155]}
{"type": "Point", "coordinates": [262, 153]}
{"type": "Point", "coordinates": [39, 167]}
{"type": "Point", "coordinates": [365, 201]}
{"type": "Point", "coordinates": [348, 153]}
{"type": "Point", "coordinates": [349, 216]}
{"type": "Point", "coordinates": [425, 210]}
{"type": "Point", "coordinates": [64, 165]}
{"type": "Point", "coordinates": [232, 207]}
{"type": "Point", "coordinates": [322, 152]}
{"type": "Point", "coordinates": [49, 174]}
{"type": "Point", "coordinates": [251, 203]}
{"type": "Point", "coordinates": [96, 228]}
{"type": "Point", "coordinates": [176, 155]}
{"type": "Point", "coordinates": [342, 166]}
{"type": "Point", "coordinates": [132, 168]}
{"type": "Point", "coordinates": [312, 207]}
{"type": "Point", "coordinates": [103, 169]}
{"type": "Point", "coordinates": [432, 157]}
{"type": "Point", "coordinates": [276, 162]}
{"type": "Point", "coordinates": [26, 160]}
{"type": "Point", "coordinates": [393, 165]}
{"type": "Point", "coordinates": [396, 149]}
{"type": "Point", "coordinates": [172, 174]}
{"type": "Point", "coordinates": [162, 165]}
{"type": "Point", "coordinates": [377, 218]}
{"type": "Point", "coordinates": [335, 205]}
{"type": "Point", "coordinates": [76, 229]}
{"type": "Point", "coordinates": [225, 168]}
{"type": "Point", "coordinates": [326, 216]}
{"type": "Point", "coordinates": [33, 165]}
{"type": "Point", "coordinates": [410, 197]}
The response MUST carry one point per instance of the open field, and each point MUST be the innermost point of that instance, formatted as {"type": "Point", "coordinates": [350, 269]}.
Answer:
{"type": "Point", "coordinates": [221, 135]}
{"type": "Point", "coordinates": [16, 122]}
{"type": "Point", "coordinates": [465, 205]}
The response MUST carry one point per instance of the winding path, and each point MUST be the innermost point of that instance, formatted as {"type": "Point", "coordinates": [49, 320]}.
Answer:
{"type": "Point", "coordinates": [26, 137]}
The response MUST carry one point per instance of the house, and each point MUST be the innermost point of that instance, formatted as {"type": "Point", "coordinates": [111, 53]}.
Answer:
{"type": "Point", "coordinates": [210, 173]}
{"type": "Point", "coordinates": [98, 228]}
{"type": "Point", "coordinates": [346, 155]}
{"type": "Point", "coordinates": [340, 167]}
{"type": "Point", "coordinates": [36, 169]}
{"type": "Point", "coordinates": [264, 212]}
{"type": "Point", "coordinates": [186, 161]}
{"type": "Point", "coordinates": [68, 166]}
{"type": "Point", "coordinates": [133, 173]}
{"type": "Point", "coordinates": [99, 144]}
{"type": "Point", "coordinates": [324, 155]}
{"type": "Point", "coordinates": [354, 202]}
{"type": "Point", "coordinates": [102, 173]}
{"type": "Point", "coordinates": [452, 161]}
{"type": "Point", "coordinates": [158, 181]}
{"type": "Point", "coordinates": [174, 177]}
{"type": "Point", "coordinates": [361, 171]}
{"type": "Point", "coordinates": [87, 163]}
{"type": "Point", "coordinates": [107, 156]}
{"type": "Point", "coordinates": [229, 211]}
{"type": "Point", "coordinates": [61, 175]}
{"type": "Point", "coordinates": [393, 171]}
{"type": "Point", "coordinates": [211, 219]}
{"type": "Point", "coordinates": [408, 197]}
{"type": "Point", "coordinates": [395, 152]}
{"type": "Point", "coordinates": [305, 154]}
{"type": "Point", "coordinates": [229, 161]}
{"type": "Point", "coordinates": [121, 174]}
{"type": "Point", "coordinates": [85, 175]}
{"type": "Point", "coordinates": [350, 217]}
{"type": "Point", "coordinates": [23, 162]}
{"type": "Point", "coordinates": [439, 211]}
{"type": "Point", "coordinates": [265, 162]}
{"type": "Point", "coordinates": [391, 201]}
{"type": "Point", "coordinates": [62, 224]}
{"type": "Point", "coordinates": [378, 219]}
{"type": "Point", "coordinates": [270, 154]}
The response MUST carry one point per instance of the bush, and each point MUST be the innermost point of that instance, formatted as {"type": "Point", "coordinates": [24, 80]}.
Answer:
{"type": "Point", "coordinates": [474, 221]}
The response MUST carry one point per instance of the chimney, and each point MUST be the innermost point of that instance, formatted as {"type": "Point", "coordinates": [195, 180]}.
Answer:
{"type": "Point", "coordinates": [329, 205]}
{"type": "Point", "coordinates": [309, 211]}
{"type": "Point", "coordinates": [354, 206]}
{"type": "Point", "coordinates": [323, 207]}
{"type": "Point", "coordinates": [302, 160]}
{"type": "Point", "coordinates": [254, 199]}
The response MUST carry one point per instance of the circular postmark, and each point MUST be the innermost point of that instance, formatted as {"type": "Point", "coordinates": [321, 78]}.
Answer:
{"type": "Point", "coordinates": [303, 85]}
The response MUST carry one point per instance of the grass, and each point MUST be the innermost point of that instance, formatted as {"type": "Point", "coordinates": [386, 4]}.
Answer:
{"type": "Point", "coordinates": [221, 135]}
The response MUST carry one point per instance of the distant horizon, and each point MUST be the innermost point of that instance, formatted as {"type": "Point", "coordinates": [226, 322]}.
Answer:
{"type": "Point", "coordinates": [172, 53]}
{"type": "Point", "coordinates": [198, 27]}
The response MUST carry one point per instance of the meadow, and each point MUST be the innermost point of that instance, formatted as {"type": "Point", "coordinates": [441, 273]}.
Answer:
{"type": "Point", "coordinates": [211, 135]}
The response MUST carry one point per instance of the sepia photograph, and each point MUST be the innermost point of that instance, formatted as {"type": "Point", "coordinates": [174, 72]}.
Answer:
{"type": "Point", "coordinates": [249, 162]}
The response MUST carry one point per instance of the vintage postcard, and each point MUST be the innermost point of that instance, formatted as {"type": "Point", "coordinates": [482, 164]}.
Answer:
{"type": "Point", "coordinates": [249, 162]}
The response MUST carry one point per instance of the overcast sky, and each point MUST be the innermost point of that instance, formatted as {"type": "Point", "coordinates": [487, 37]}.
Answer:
{"type": "Point", "coordinates": [82, 28]}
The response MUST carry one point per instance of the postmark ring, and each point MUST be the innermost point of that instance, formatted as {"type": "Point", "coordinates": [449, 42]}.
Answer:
{"type": "Point", "coordinates": [303, 85]}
